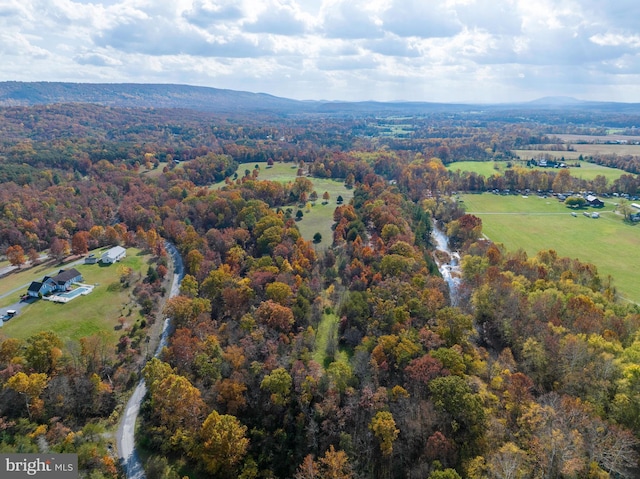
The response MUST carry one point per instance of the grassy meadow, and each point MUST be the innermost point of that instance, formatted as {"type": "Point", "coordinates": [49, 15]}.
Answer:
{"type": "Point", "coordinates": [318, 218]}
{"type": "Point", "coordinates": [83, 316]}
{"type": "Point", "coordinates": [484, 168]}
{"type": "Point", "coordinates": [535, 224]}
{"type": "Point", "coordinates": [587, 171]}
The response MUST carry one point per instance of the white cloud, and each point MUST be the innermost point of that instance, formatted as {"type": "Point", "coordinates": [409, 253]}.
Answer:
{"type": "Point", "coordinates": [417, 18]}
{"type": "Point", "coordinates": [97, 59]}
{"type": "Point", "coordinates": [438, 50]}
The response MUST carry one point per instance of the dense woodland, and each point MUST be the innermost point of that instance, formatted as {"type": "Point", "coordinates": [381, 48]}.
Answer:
{"type": "Point", "coordinates": [533, 374]}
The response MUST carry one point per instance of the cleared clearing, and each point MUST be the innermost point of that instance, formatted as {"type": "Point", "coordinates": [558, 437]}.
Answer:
{"type": "Point", "coordinates": [586, 171]}
{"type": "Point", "coordinates": [535, 224]}
{"type": "Point", "coordinates": [95, 313]}
{"type": "Point", "coordinates": [318, 218]}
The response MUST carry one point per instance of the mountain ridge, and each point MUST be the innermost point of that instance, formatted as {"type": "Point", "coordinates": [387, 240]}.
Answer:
{"type": "Point", "coordinates": [159, 95]}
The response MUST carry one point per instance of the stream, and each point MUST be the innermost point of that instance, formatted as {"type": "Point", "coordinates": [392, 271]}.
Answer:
{"type": "Point", "coordinates": [448, 264]}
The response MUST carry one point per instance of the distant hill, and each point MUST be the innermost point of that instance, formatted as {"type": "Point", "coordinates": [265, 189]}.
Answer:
{"type": "Point", "coordinates": [136, 95]}
{"type": "Point", "coordinates": [142, 95]}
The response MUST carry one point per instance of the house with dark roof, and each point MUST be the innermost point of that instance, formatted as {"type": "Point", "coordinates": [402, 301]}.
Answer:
{"type": "Point", "coordinates": [594, 201]}
{"type": "Point", "coordinates": [50, 284]}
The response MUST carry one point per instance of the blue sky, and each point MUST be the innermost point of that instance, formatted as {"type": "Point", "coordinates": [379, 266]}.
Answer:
{"type": "Point", "coordinates": [419, 50]}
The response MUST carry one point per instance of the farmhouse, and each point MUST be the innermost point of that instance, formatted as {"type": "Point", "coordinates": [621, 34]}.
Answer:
{"type": "Point", "coordinates": [49, 284]}
{"type": "Point", "coordinates": [594, 201]}
{"type": "Point", "coordinates": [114, 254]}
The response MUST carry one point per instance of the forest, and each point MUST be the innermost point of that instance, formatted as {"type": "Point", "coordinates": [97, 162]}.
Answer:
{"type": "Point", "coordinates": [533, 373]}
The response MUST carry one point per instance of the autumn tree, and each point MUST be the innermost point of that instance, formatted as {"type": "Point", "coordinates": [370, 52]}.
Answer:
{"type": "Point", "coordinates": [43, 351]}
{"type": "Point", "coordinates": [332, 465]}
{"type": "Point", "coordinates": [189, 286]}
{"type": "Point", "coordinates": [15, 255]}
{"type": "Point", "coordinates": [33, 256]}
{"type": "Point", "coordinates": [178, 408]}
{"type": "Point", "coordinates": [452, 395]}
{"type": "Point", "coordinates": [563, 181]}
{"type": "Point", "coordinates": [80, 243]}
{"type": "Point", "coordinates": [222, 444]}
{"type": "Point", "coordinates": [335, 464]}
{"type": "Point", "coordinates": [509, 462]}
{"type": "Point", "coordinates": [59, 248]}
{"type": "Point", "coordinates": [384, 429]}
{"type": "Point", "coordinates": [279, 384]}
{"type": "Point", "coordinates": [279, 292]}
{"type": "Point", "coordinates": [275, 316]}
{"type": "Point", "coordinates": [453, 326]}
{"type": "Point", "coordinates": [308, 469]}
{"type": "Point", "coordinates": [186, 310]}
{"type": "Point", "coordinates": [193, 262]}
{"type": "Point", "coordinates": [30, 386]}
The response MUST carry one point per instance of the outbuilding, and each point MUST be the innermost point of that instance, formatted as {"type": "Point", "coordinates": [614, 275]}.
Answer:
{"type": "Point", "coordinates": [113, 255]}
{"type": "Point", "coordinates": [594, 201]}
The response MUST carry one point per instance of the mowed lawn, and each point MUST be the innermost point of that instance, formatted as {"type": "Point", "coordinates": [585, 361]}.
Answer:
{"type": "Point", "coordinates": [318, 218]}
{"type": "Point", "coordinates": [84, 315]}
{"type": "Point", "coordinates": [535, 224]}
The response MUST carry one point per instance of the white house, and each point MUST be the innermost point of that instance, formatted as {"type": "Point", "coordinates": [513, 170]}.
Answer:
{"type": "Point", "coordinates": [61, 282]}
{"type": "Point", "coordinates": [114, 254]}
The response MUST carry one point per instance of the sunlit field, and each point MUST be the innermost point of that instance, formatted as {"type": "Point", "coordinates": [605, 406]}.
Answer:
{"type": "Point", "coordinates": [587, 171]}
{"type": "Point", "coordinates": [318, 217]}
{"type": "Point", "coordinates": [535, 224]}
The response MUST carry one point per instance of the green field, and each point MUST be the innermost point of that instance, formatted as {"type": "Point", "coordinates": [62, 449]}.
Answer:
{"type": "Point", "coordinates": [327, 341]}
{"type": "Point", "coordinates": [319, 217]}
{"type": "Point", "coordinates": [85, 315]}
{"type": "Point", "coordinates": [587, 171]}
{"type": "Point", "coordinates": [535, 224]}
{"type": "Point", "coordinates": [484, 168]}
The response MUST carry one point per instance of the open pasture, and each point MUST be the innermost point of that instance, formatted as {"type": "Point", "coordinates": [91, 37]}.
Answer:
{"type": "Point", "coordinates": [533, 224]}
{"type": "Point", "coordinates": [318, 218]}
{"type": "Point", "coordinates": [587, 171]}
{"type": "Point", "coordinates": [484, 168]}
{"type": "Point", "coordinates": [584, 149]}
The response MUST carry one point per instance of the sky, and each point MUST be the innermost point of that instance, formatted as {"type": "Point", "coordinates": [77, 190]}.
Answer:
{"type": "Point", "coordinates": [467, 51]}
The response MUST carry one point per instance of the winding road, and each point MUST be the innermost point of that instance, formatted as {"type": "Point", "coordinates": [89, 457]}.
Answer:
{"type": "Point", "coordinates": [125, 439]}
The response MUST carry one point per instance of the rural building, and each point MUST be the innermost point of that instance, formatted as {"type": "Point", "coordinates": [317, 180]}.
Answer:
{"type": "Point", "coordinates": [114, 254]}
{"type": "Point", "coordinates": [91, 259]}
{"type": "Point", "coordinates": [49, 284]}
{"type": "Point", "coordinates": [594, 201]}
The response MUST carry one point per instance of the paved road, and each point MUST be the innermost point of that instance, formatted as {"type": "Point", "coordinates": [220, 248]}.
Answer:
{"type": "Point", "coordinates": [125, 439]}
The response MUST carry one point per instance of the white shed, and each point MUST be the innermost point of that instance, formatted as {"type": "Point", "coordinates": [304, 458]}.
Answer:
{"type": "Point", "coordinates": [114, 254]}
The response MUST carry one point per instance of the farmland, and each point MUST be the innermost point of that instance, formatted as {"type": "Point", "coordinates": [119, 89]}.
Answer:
{"type": "Point", "coordinates": [586, 171]}
{"type": "Point", "coordinates": [584, 149]}
{"type": "Point", "coordinates": [484, 168]}
{"type": "Point", "coordinates": [536, 223]}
